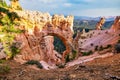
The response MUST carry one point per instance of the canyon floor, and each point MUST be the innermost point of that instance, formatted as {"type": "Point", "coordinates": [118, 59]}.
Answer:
{"type": "Point", "coordinates": [98, 69]}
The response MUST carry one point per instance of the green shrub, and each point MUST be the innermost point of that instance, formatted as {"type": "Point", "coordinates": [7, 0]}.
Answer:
{"type": "Point", "coordinates": [117, 48]}
{"type": "Point", "coordinates": [60, 65]}
{"type": "Point", "coordinates": [2, 61]}
{"type": "Point", "coordinates": [3, 3]}
{"type": "Point", "coordinates": [87, 53]}
{"type": "Point", "coordinates": [14, 51]}
{"type": "Point", "coordinates": [96, 48]}
{"type": "Point", "coordinates": [4, 69]}
{"type": "Point", "coordinates": [108, 46]}
{"type": "Point", "coordinates": [74, 54]}
{"type": "Point", "coordinates": [15, 48]}
{"type": "Point", "coordinates": [71, 56]}
{"type": "Point", "coordinates": [32, 62]}
{"type": "Point", "coordinates": [118, 41]}
{"type": "Point", "coordinates": [101, 48]}
{"type": "Point", "coordinates": [67, 58]}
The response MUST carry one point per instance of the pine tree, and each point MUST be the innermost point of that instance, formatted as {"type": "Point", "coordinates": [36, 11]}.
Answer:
{"type": "Point", "coordinates": [3, 3]}
{"type": "Point", "coordinates": [15, 4]}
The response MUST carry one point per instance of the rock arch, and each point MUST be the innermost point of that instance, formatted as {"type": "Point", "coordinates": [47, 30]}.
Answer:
{"type": "Point", "coordinates": [66, 43]}
{"type": "Point", "coordinates": [64, 35]}
{"type": "Point", "coordinates": [34, 41]}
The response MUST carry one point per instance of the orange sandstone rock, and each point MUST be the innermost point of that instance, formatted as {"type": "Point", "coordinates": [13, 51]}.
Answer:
{"type": "Point", "coordinates": [100, 24]}
{"type": "Point", "coordinates": [116, 24]}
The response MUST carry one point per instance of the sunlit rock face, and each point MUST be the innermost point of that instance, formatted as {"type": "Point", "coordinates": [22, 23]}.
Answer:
{"type": "Point", "coordinates": [116, 24]}
{"type": "Point", "coordinates": [100, 24]}
{"type": "Point", "coordinates": [37, 42]}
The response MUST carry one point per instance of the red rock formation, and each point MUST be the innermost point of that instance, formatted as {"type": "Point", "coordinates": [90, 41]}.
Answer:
{"type": "Point", "coordinates": [37, 42]}
{"type": "Point", "coordinates": [100, 24]}
{"type": "Point", "coordinates": [64, 35]}
{"type": "Point", "coordinates": [76, 39]}
{"type": "Point", "coordinates": [116, 24]}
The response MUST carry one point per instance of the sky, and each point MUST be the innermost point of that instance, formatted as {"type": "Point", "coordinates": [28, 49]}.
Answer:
{"type": "Point", "coordinates": [91, 8]}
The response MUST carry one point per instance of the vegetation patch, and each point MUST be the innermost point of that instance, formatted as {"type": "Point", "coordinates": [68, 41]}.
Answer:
{"type": "Point", "coordinates": [67, 58]}
{"type": "Point", "coordinates": [108, 46]}
{"type": "Point", "coordinates": [60, 65]}
{"type": "Point", "coordinates": [8, 30]}
{"type": "Point", "coordinates": [2, 61]}
{"type": "Point", "coordinates": [118, 41]}
{"type": "Point", "coordinates": [71, 56]}
{"type": "Point", "coordinates": [96, 48]}
{"type": "Point", "coordinates": [117, 48]}
{"type": "Point", "coordinates": [101, 48]}
{"type": "Point", "coordinates": [87, 53]}
{"type": "Point", "coordinates": [3, 3]}
{"type": "Point", "coordinates": [74, 54]}
{"type": "Point", "coordinates": [34, 62]}
{"type": "Point", "coordinates": [4, 69]}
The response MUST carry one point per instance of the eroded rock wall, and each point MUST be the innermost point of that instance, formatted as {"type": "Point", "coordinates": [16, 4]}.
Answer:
{"type": "Point", "coordinates": [37, 42]}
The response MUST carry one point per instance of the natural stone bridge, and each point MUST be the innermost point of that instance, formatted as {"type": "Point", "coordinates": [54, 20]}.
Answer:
{"type": "Point", "coordinates": [37, 43]}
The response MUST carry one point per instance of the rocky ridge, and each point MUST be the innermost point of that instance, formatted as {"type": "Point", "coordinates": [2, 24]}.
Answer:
{"type": "Point", "coordinates": [89, 40]}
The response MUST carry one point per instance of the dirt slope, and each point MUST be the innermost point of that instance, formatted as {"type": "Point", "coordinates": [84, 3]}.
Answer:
{"type": "Point", "coordinates": [98, 69]}
{"type": "Point", "coordinates": [98, 38]}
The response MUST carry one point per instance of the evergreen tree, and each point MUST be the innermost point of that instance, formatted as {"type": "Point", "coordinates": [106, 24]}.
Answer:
{"type": "Point", "coordinates": [3, 3]}
{"type": "Point", "coordinates": [15, 4]}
